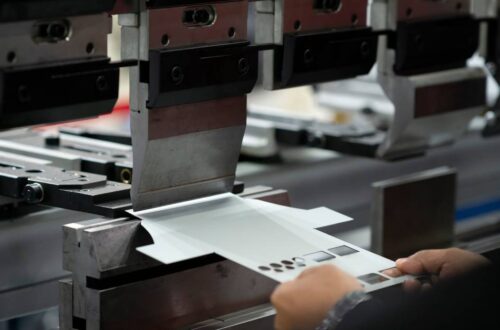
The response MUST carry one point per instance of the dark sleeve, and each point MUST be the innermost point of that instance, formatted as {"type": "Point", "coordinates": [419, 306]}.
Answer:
{"type": "Point", "coordinates": [469, 302]}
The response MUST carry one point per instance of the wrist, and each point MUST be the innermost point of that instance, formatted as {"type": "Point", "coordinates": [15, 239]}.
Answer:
{"type": "Point", "coordinates": [350, 301]}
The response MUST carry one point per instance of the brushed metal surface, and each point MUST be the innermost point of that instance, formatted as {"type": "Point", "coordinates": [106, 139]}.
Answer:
{"type": "Point", "coordinates": [17, 37]}
{"type": "Point", "coordinates": [185, 166]}
{"type": "Point", "coordinates": [424, 217]}
{"type": "Point", "coordinates": [178, 299]}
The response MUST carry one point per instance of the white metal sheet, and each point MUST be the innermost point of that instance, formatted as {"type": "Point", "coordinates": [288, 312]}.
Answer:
{"type": "Point", "coordinates": [316, 218]}
{"type": "Point", "coordinates": [257, 235]}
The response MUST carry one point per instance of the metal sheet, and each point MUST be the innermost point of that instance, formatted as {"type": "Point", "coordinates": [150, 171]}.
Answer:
{"type": "Point", "coordinates": [271, 243]}
{"type": "Point", "coordinates": [316, 218]}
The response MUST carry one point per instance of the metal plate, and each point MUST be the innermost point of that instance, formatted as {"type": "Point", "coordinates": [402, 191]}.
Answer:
{"type": "Point", "coordinates": [16, 38]}
{"type": "Point", "coordinates": [422, 9]}
{"type": "Point", "coordinates": [274, 244]}
{"type": "Point", "coordinates": [199, 160]}
{"type": "Point", "coordinates": [168, 23]}
{"type": "Point", "coordinates": [289, 13]}
{"type": "Point", "coordinates": [424, 216]}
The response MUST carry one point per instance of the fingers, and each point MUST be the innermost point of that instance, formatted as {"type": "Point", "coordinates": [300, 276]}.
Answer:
{"type": "Point", "coordinates": [423, 262]}
{"type": "Point", "coordinates": [303, 303]}
{"type": "Point", "coordinates": [278, 293]}
{"type": "Point", "coordinates": [327, 269]}
{"type": "Point", "coordinates": [307, 272]}
{"type": "Point", "coordinates": [410, 266]}
{"type": "Point", "coordinates": [279, 323]}
{"type": "Point", "coordinates": [279, 300]}
{"type": "Point", "coordinates": [392, 272]}
{"type": "Point", "coordinates": [412, 286]}
{"type": "Point", "coordinates": [426, 287]}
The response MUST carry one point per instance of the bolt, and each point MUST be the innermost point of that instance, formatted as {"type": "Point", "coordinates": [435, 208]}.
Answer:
{"type": "Point", "coordinates": [57, 31]}
{"type": "Point", "coordinates": [308, 56]}
{"type": "Point", "coordinates": [177, 75]}
{"type": "Point", "coordinates": [201, 16]}
{"type": "Point", "coordinates": [101, 84]}
{"type": "Point", "coordinates": [33, 193]}
{"type": "Point", "coordinates": [365, 49]}
{"type": "Point", "coordinates": [23, 94]}
{"type": "Point", "coordinates": [243, 66]}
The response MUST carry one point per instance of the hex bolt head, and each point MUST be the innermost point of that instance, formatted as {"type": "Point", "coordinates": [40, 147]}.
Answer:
{"type": "Point", "coordinates": [33, 193]}
{"type": "Point", "coordinates": [177, 75]}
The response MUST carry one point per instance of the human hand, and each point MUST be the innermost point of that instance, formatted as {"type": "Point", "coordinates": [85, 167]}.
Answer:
{"type": "Point", "coordinates": [438, 264]}
{"type": "Point", "coordinates": [303, 303]}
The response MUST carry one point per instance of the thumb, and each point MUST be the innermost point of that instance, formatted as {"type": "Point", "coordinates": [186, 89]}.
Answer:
{"type": "Point", "coordinates": [410, 266]}
{"type": "Point", "coordinates": [423, 262]}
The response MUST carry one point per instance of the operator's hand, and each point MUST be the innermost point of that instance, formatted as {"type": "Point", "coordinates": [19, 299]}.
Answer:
{"type": "Point", "coordinates": [438, 264]}
{"type": "Point", "coordinates": [303, 303]}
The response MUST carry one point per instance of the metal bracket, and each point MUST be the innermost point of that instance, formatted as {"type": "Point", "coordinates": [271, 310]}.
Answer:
{"type": "Point", "coordinates": [29, 90]}
{"type": "Point", "coordinates": [326, 56]}
{"type": "Point", "coordinates": [434, 45]}
{"type": "Point", "coordinates": [197, 74]}
{"type": "Point", "coordinates": [53, 186]}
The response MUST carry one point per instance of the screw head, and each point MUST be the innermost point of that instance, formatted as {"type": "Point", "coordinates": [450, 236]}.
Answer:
{"type": "Point", "coordinates": [419, 42]}
{"type": "Point", "coordinates": [23, 94]}
{"type": "Point", "coordinates": [101, 84]}
{"type": "Point", "coordinates": [243, 66]}
{"type": "Point", "coordinates": [177, 75]}
{"type": "Point", "coordinates": [33, 193]}
{"type": "Point", "coordinates": [365, 49]}
{"type": "Point", "coordinates": [308, 56]}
